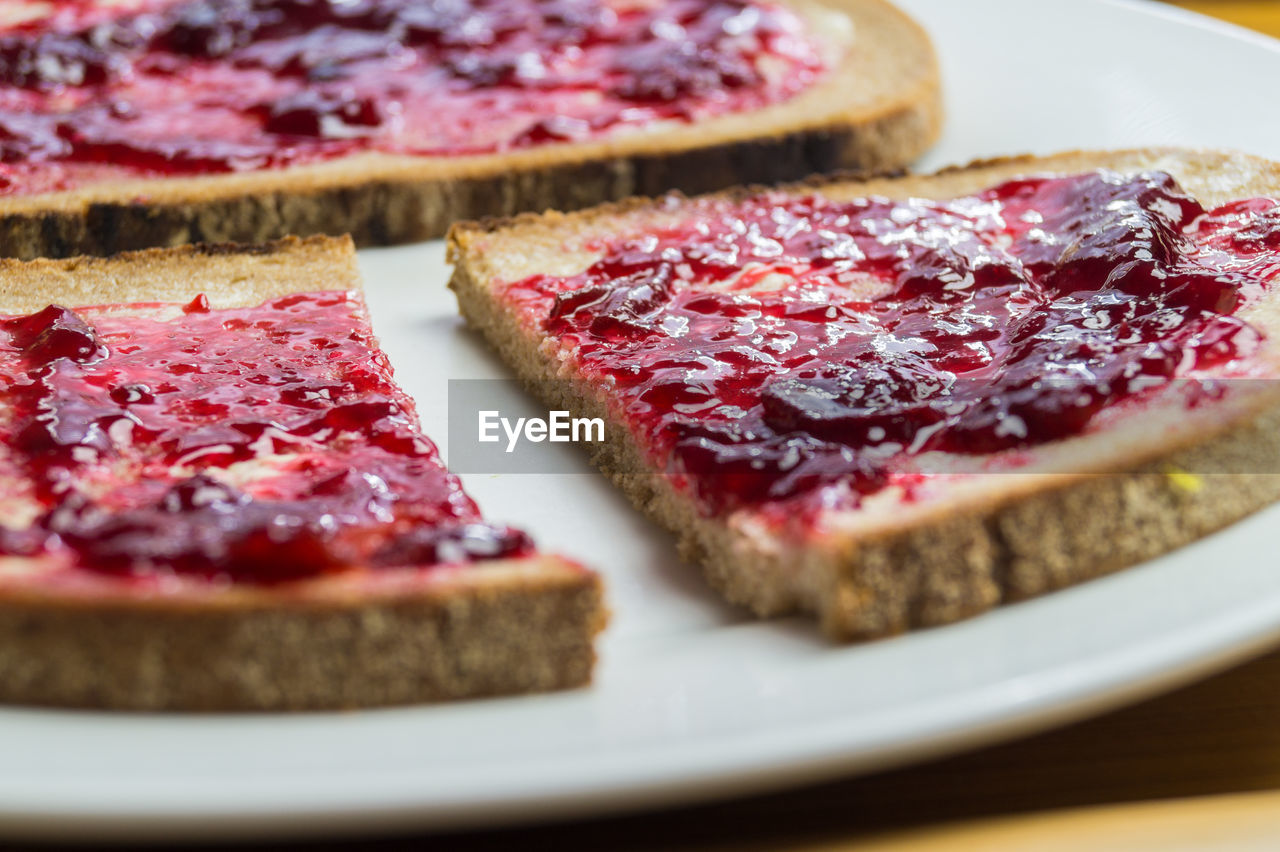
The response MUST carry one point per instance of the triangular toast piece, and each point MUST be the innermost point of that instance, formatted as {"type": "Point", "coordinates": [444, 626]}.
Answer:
{"type": "Point", "coordinates": [885, 401]}
{"type": "Point", "coordinates": [215, 497]}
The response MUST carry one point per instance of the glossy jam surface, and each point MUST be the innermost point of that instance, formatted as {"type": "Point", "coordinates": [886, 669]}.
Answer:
{"type": "Point", "coordinates": [196, 86]}
{"type": "Point", "coordinates": [801, 351]}
{"type": "Point", "coordinates": [260, 444]}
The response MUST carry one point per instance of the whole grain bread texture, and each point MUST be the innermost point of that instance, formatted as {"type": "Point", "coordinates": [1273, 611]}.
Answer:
{"type": "Point", "coordinates": [878, 108]}
{"type": "Point", "coordinates": [1145, 483]}
{"type": "Point", "coordinates": [352, 639]}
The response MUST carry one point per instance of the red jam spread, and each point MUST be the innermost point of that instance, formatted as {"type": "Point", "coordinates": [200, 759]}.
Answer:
{"type": "Point", "coordinates": [261, 444]}
{"type": "Point", "coordinates": [196, 86]}
{"type": "Point", "coordinates": [797, 351]}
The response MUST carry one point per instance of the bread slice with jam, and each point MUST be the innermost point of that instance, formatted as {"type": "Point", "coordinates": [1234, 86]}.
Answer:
{"type": "Point", "coordinates": [158, 122]}
{"type": "Point", "coordinates": [901, 402]}
{"type": "Point", "coordinates": [217, 498]}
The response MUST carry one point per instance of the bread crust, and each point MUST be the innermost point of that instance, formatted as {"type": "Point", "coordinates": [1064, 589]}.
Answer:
{"type": "Point", "coordinates": [918, 566]}
{"type": "Point", "coordinates": [502, 628]}
{"type": "Point", "coordinates": [353, 639]}
{"type": "Point", "coordinates": [878, 109]}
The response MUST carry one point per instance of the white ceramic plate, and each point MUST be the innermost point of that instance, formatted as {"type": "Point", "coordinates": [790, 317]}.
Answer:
{"type": "Point", "coordinates": [692, 700]}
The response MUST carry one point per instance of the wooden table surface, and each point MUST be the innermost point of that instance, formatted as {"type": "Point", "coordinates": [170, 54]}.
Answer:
{"type": "Point", "coordinates": [1260, 15]}
{"type": "Point", "coordinates": [1196, 769]}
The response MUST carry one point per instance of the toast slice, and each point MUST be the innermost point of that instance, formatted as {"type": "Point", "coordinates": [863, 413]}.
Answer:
{"type": "Point", "coordinates": [215, 497]}
{"type": "Point", "coordinates": [756, 354]}
{"type": "Point", "coordinates": [228, 130]}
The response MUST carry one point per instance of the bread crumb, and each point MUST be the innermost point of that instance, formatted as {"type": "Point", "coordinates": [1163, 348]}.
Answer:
{"type": "Point", "coordinates": [1184, 481]}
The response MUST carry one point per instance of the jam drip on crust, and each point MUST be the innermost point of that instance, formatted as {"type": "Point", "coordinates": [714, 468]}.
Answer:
{"type": "Point", "coordinates": [799, 350]}
{"type": "Point", "coordinates": [195, 86]}
{"type": "Point", "coordinates": [260, 444]}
